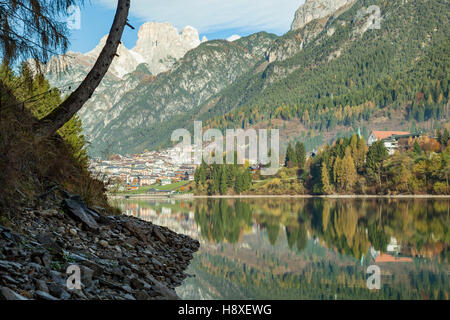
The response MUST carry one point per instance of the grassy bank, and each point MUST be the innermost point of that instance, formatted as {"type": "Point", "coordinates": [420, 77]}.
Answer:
{"type": "Point", "coordinates": [177, 186]}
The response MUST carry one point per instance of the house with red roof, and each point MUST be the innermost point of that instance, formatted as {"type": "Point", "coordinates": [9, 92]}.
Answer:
{"type": "Point", "coordinates": [384, 257]}
{"type": "Point", "coordinates": [390, 139]}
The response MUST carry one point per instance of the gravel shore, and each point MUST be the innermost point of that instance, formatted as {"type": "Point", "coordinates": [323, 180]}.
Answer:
{"type": "Point", "coordinates": [119, 257]}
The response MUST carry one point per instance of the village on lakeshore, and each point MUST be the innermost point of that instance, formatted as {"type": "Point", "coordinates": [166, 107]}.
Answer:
{"type": "Point", "coordinates": [164, 168]}
{"type": "Point", "coordinates": [131, 172]}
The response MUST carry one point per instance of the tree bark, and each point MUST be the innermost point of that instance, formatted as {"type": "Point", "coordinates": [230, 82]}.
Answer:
{"type": "Point", "coordinates": [66, 110]}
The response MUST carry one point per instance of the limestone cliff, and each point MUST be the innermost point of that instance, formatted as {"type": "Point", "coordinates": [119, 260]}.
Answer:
{"type": "Point", "coordinates": [316, 9]}
{"type": "Point", "coordinates": [160, 44]}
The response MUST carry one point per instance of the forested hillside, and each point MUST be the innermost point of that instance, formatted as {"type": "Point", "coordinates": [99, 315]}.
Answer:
{"type": "Point", "coordinates": [348, 76]}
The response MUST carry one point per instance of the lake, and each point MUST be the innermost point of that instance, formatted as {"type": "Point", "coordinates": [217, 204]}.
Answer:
{"type": "Point", "coordinates": [284, 248]}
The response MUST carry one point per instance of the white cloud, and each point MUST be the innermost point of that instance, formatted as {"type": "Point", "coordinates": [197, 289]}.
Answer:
{"type": "Point", "coordinates": [210, 16]}
{"type": "Point", "coordinates": [233, 37]}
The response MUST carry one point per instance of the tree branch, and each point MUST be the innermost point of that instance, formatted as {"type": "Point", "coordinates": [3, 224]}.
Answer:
{"type": "Point", "coordinates": [66, 110]}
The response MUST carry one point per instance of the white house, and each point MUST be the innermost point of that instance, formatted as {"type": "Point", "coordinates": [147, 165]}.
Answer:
{"type": "Point", "coordinates": [165, 182]}
{"type": "Point", "coordinates": [393, 246]}
{"type": "Point", "coordinates": [388, 137]}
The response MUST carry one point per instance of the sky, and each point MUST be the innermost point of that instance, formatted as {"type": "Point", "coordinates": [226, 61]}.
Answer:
{"type": "Point", "coordinates": [215, 19]}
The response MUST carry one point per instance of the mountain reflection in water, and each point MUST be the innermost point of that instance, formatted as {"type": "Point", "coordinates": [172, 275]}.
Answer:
{"type": "Point", "coordinates": [309, 248]}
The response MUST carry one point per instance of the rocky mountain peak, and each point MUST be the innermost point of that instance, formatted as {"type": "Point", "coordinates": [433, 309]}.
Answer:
{"type": "Point", "coordinates": [158, 45]}
{"type": "Point", "coordinates": [125, 62]}
{"type": "Point", "coordinates": [316, 9]}
{"type": "Point", "coordinates": [161, 45]}
{"type": "Point", "coordinates": [190, 33]}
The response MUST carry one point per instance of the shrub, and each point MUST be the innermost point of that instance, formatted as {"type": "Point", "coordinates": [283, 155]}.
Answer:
{"type": "Point", "coordinates": [440, 188]}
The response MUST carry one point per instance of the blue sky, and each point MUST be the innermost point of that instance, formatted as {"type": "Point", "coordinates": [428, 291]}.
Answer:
{"type": "Point", "coordinates": [216, 19]}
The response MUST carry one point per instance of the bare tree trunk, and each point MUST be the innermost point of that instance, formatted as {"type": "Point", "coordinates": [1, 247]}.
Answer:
{"type": "Point", "coordinates": [66, 110]}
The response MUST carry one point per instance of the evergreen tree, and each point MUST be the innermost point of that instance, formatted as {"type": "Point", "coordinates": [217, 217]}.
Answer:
{"type": "Point", "coordinates": [40, 20]}
{"type": "Point", "coordinates": [291, 158]}
{"type": "Point", "coordinates": [197, 176]}
{"type": "Point", "coordinates": [300, 154]}
{"type": "Point", "coordinates": [273, 230]}
{"type": "Point", "coordinates": [230, 174]}
{"type": "Point", "coordinates": [439, 135]}
{"type": "Point", "coordinates": [360, 155]}
{"type": "Point", "coordinates": [41, 99]}
{"type": "Point", "coordinates": [445, 137]}
{"type": "Point", "coordinates": [239, 183]}
{"type": "Point", "coordinates": [416, 148]}
{"type": "Point", "coordinates": [376, 155]}
{"type": "Point", "coordinates": [223, 186]}
{"type": "Point", "coordinates": [216, 173]}
{"type": "Point", "coordinates": [247, 179]}
{"type": "Point", "coordinates": [202, 173]}
{"type": "Point", "coordinates": [302, 239]}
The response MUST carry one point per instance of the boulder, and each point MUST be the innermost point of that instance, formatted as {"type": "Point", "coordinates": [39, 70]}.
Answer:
{"type": "Point", "coordinates": [136, 230]}
{"type": "Point", "coordinates": [78, 210]}
{"type": "Point", "coordinates": [159, 235]}
{"type": "Point", "coordinates": [44, 295]}
{"type": "Point", "coordinates": [8, 294]}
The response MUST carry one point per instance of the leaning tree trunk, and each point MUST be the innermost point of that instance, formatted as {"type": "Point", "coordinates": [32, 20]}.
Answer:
{"type": "Point", "coordinates": [66, 110]}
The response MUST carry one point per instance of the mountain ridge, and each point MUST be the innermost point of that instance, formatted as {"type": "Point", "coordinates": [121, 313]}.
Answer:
{"type": "Point", "coordinates": [271, 94]}
{"type": "Point", "coordinates": [332, 74]}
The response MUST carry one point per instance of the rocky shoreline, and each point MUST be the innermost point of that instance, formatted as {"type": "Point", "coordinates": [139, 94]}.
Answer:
{"type": "Point", "coordinates": [119, 257]}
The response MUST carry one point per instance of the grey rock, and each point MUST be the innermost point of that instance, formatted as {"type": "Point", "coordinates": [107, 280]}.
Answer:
{"type": "Point", "coordinates": [142, 295]}
{"type": "Point", "coordinates": [8, 294]}
{"type": "Point", "coordinates": [48, 213]}
{"type": "Point", "coordinates": [56, 289]}
{"type": "Point", "coordinates": [127, 288]}
{"type": "Point", "coordinates": [159, 235]}
{"type": "Point", "coordinates": [103, 243]}
{"type": "Point", "coordinates": [10, 280]}
{"type": "Point", "coordinates": [41, 285]}
{"type": "Point", "coordinates": [137, 284]}
{"type": "Point", "coordinates": [136, 230]}
{"type": "Point", "coordinates": [49, 242]}
{"type": "Point", "coordinates": [316, 9]}
{"type": "Point", "coordinates": [78, 294]}
{"type": "Point", "coordinates": [78, 210]}
{"type": "Point", "coordinates": [65, 295]}
{"type": "Point", "coordinates": [9, 265]}
{"type": "Point", "coordinates": [37, 261]}
{"type": "Point", "coordinates": [138, 272]}
{"type": "Point", "coordinates": [46, 260]}
{"type": "Point", "coordinates": [129, 297]}
{"type": "Point", "coordinates": [44, 295]}
{"type": "Point", "coordinates": [165, 292]}
{"type": "Point", "coordinates": [132, 241]}
{"type": "Point", "coordinates": [86, 276]}
{"type": "Point", "coordinates": [156, 262]}
{"type": "Point", "coordinates": [57, 277]}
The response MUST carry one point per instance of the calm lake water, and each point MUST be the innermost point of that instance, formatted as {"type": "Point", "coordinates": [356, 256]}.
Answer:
{"type": "Point", "coordinates": [309, 248]}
